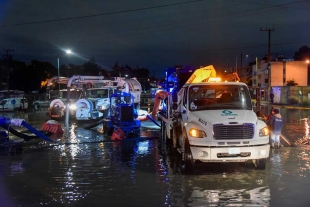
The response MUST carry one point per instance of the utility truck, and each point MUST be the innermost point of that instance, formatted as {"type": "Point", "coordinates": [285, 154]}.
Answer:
{"type": "Point", "coordinates": [211, 120]}
{"type": "Point", "coordinates": [96, 102]}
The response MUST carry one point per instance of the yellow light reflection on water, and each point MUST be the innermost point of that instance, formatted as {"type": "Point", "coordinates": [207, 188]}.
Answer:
{"type": "Point", "coordinates": [307, 127]}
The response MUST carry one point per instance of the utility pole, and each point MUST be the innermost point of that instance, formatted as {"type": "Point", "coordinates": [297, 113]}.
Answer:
{"type": "Point", "coordinates": [268, 60]}
{"type": "Point", "coordinates": [268, 30]}
{"type": "Point", "coordinates": [8, 57]}
{"type": "Point", "coordinates": [236, 63]}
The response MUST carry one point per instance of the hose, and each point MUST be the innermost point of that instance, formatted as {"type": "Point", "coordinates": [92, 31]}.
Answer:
{"type": "Point", "coordinates": [150, 117]}
{"type": "Point", "coordinates": [21, 122]}
{"type": "Point", "coordinates": [20, 134]}
{"type": "Point", "coordinates": [93, 124]}
{"type": "Point", "coordinates": [36, 132]}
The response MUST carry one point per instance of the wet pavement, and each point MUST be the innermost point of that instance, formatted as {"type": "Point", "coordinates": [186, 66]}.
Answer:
{"type": "Point", "coordinates": [86, 169]}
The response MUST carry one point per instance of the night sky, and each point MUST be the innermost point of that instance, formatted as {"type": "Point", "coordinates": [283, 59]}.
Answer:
{"type": "Point", "coordinates": [153, 34]}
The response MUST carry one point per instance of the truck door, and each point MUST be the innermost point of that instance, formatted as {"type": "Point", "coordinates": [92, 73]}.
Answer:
{"type": "Point", "coordinates": [184, 106]}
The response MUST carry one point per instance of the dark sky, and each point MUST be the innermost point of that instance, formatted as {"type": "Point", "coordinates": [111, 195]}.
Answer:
{"type": "Point", "coordinates": [153, 34]}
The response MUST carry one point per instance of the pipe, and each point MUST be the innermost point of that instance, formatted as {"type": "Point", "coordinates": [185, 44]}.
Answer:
{"type": "Point", "coordinates": [21, 122]}
{"type": "Point", "coordinates": [21, 135]}
{"type": "Point", "coordinates": [74, 79]}
{"type": "Point", "coordinates": [153, 120]}
{"type": "Point", "coordinates": [160, 95]}
{"type": "Point", "coordinates": [36, 132]}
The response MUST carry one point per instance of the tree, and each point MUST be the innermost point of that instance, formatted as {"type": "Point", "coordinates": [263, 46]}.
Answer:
{"type": "Point", "coordinates": [291, 83]}
{"type": "Point", "coordinates": [302, 54]}
{"type": "Point", "coordinates": [70, 70]}
{"type": "Point", "coordinates": [90, 68]}
{"type": "Point", "coordinates": [35, 73]}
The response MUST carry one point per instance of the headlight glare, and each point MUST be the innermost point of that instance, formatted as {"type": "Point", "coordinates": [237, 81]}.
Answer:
{"type": "Point", "coordinates": [197, 133]}
{"type": "Point", "coordinates": [264, 132]}
{"type": "Point", "coordinates": [72, 107]}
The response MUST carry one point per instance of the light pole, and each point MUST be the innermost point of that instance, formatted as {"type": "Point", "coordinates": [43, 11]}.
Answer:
{"type": "Point", "coordinates": [236, 64]}
{"type": "Point", "coordinates": [67, 52]}
{"type": "Point", "coordinates": [58, 72]}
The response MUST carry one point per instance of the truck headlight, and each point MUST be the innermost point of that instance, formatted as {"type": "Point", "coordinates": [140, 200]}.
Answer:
{"type": "Point", "coordinates": [72, 107]}
{"type": "Point", "coordinates": [102, 107]}
{"type": "Point", "coordinates": [197, 133]}
{"type": "Point", "coordinates": [264, 132]}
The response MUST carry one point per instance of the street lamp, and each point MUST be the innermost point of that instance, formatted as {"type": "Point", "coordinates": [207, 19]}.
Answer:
{"type": "Point", "coordinates": [58, 72]}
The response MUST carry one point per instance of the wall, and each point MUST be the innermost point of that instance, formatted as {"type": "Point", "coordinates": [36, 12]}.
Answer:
{"type": "Point", "coordinates": [295, 70]}
{"type": "Point", "coordinates": [282, 94]}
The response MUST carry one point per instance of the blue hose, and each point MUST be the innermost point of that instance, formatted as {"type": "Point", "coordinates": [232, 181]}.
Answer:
{"type": "Point", "coordinates": [36, 132]}
{"type": "Point", "coordinates": [20, 122]}
{"type": "Point", "coordinates": [148, 116]}
{"type": "Point", "coordinates": [4, 121]}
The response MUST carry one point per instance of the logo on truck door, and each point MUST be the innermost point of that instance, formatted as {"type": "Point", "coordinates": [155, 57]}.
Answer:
{"type": "Point", "coordinates": [228, 113]}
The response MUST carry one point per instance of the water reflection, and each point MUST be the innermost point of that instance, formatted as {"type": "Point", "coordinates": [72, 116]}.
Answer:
{"type": "Point", "coordinates": [147, 173]}
{"type": "Point", "coordinates": [85, 171]}
{"type": "Point", "coordinates": [214, 184]}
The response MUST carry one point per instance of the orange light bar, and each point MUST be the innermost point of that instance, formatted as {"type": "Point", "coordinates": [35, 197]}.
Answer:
{"type": "Point", "coordinates": [215, 80]}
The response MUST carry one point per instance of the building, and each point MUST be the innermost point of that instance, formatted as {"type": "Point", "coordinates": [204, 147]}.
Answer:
{"type": "Point", "coordinates": [280, 72]}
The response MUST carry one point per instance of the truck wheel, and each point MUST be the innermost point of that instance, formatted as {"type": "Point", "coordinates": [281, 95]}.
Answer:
{"type": "Point", "coordinates": [189, 162]}
{"type": "Point", "coordinates": [260, 164]}
{"type": "Point", "coordinates": [36, 107]}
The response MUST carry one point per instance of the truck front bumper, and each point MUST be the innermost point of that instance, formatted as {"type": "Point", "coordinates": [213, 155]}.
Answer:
{"type": "Point", "coordinates": [230, 154]}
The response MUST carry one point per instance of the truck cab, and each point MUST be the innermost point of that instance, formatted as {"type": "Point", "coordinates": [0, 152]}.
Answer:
{"type": "Point", "coordinates": [214, 121]}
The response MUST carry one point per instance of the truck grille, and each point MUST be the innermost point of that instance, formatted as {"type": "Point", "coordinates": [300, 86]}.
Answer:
{"type": "Point", "coordinates": [245, 131]}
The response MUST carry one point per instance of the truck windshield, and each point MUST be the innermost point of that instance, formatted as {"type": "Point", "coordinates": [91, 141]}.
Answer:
{"type": "Point", "coordinates": [97, 93]}
{"type": "Point", "coordinates": [210, 97]}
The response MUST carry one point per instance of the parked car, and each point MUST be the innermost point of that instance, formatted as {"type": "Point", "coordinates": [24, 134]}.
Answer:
{"type": "Point", "coordinates": [14, 104]}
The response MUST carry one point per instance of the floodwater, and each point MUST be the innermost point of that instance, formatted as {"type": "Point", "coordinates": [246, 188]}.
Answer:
{"type": "Point", "coordinates": [86, 169]}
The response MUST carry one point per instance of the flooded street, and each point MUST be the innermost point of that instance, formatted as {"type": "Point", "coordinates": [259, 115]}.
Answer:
{"type": "Point", "coordinates": [89, 170]}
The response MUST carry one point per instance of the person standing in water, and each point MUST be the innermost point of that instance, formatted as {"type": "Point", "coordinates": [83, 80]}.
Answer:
{"type": "Point", "coordinates": [276, 124]}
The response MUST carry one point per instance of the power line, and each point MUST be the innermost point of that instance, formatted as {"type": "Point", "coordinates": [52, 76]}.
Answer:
{"type": "Point", "coordinates": [145, 8]}
{"type": "Point", "coordinates": [269, 38]}
{"type": "Point", "coordinates": [102, 14]}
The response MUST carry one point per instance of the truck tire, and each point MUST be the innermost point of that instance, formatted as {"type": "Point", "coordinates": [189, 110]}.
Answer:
{"type": "Point", "coordinates": [260, 164]}
{"type": "Point", "coordinates": [189, 163]}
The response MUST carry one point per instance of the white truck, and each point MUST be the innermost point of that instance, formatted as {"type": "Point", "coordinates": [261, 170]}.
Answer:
{"type": "Point", "coordinates": [14, 104]}
{"type": "Point", "coordinates": [96, 103]}
{"type": "Point", "coordinates": [57, 105]}
{"type": "Point", "coordinates": [210, 120]}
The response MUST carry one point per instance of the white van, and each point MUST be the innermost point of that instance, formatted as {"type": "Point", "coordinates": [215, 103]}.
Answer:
{"type": "Point", "coordinates": [14, 104]}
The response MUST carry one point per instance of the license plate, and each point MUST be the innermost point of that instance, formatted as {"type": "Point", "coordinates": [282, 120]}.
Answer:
{"type": "Point", "coordinates": [234, 151]}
